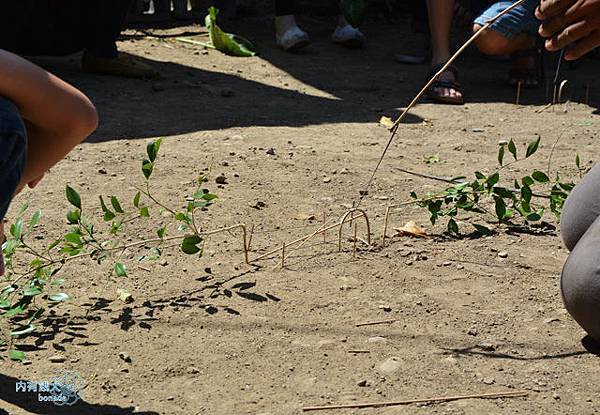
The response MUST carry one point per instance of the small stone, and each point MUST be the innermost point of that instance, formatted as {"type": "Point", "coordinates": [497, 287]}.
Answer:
{"type": "Point", "coordinates": [390, 366]}
{"type": "Point", "coordinates": [221, 179]}
{"type": "Point", "coordinates": [478, 130]}
{"type": "Point", "coordinates": [556, 396]}
{"type": "Point", "coordinates": [26, 362]}
{"type": "Point", "coordinates": [75, 360]}
{"type": "Point", "coordinates": [385, 308]}
{"type": "Point", "coordinates": [271, 152]}
{"type": "Point", "coordinates": [170, 398]}
{"type": "Point", "coordinates": [102, 170]}
{"type": "Point", "coordinates": [163, 263]}
{"type": "Point", "coordinates": [503, 254]}
{"type": "Point", "coordinates": [364, 383]}
{"type": "Point", "coordinates": [327, 180]}
{"type": "Point", "coordinates": [344, 171]}
{"type": "Point", "coordinates": [551, 320]}
{"type": "Point", "coordinates": [227, 92]}
{"type": "Point", "coordinates": [488, 347]}
{"type": "Point", "coordinates": [488, 381]}
{"type": "Point", "coordinates": [419, 303]}
{"type": "Point", "coordinates": [125, 357]}
{"type": "Point", "coordinates": [57, 359]}
{"type": "Point", "coordinates": [472, 331]}
{"type": "Point", "coordinates": [459, 266]}
{"type": "Point", "coordinates": [193, 370]}
{"type": "Point", "coordinates": [124, 370]}
{"type": "Point", "coordinates": [447, 263]}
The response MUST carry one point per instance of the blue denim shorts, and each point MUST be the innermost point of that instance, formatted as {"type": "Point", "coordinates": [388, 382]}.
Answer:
{"type": "Point", "coordinates": [520, 19]}
{"type": "Point", "coordinates": [13, 152]}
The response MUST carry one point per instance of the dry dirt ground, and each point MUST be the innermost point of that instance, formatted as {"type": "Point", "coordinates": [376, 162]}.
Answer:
{"type": "Point", "coordinates": [467, 320]}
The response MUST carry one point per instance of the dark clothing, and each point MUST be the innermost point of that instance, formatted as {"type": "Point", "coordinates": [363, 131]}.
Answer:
{"type": "Point", "coordinates": [580, 229]}
{"type": "Point", "coordinates": [287, 7]}
{"type": "Point", "coordinates": [13, 152]}
{"type": "Point", "coordinates": [62, 27]}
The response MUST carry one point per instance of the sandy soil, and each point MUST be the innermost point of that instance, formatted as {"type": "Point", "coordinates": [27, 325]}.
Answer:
{"type": "Point", "coordinates": [466, 319]}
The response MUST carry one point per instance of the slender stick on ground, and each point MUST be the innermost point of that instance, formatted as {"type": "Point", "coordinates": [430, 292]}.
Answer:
{"type": "Point", "coordinates": [359, 351]}
{"type": "Point", "coordinates": [518, 100]}
{"type": "Point", "coordinates": [250, 237]}
{"type": "Point", "coordinates": [283, 256]}
{"type": "Point", "coordinates": [303, 239]}
{"type": "Point", "coordinates": [544, 108]}
{"type": "Point", "coordinates": [374, 323]}
{"type": "Point", "coordinates": [323, 226]}
{"type": "Point", "coordinates": [416, 99]}
{"type": "Point", "coordinates": [354, 242]}
{"type": "Point", "coordinates": [498, 395]}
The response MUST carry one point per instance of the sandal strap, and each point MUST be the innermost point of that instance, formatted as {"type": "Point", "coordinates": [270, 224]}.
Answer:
{"type": "Point", "coordinates": [436, 68]}
{"type": "Point", "coordinates": [446, 84]}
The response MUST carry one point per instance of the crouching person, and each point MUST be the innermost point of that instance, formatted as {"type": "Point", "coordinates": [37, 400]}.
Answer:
{"type": "Point", "coordinates": [41, 119]}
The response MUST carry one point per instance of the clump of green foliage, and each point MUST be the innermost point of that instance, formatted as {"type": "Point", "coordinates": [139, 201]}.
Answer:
{"type": "Point", "coordinates": [527, 198]}
{"type": "Point", "coordinates": [34, 276]}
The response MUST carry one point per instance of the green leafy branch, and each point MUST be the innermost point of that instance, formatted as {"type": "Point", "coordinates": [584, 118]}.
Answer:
{"type": "Point", "coordinates": [527, 198]}
{"type": "Point", "coordinates": [34, 283]}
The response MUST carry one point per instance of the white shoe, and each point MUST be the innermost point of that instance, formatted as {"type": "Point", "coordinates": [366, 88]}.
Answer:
{"type": "Point", "coordinates": [348, 36]}
{"type": "Point", "coordinates": [292, 40]}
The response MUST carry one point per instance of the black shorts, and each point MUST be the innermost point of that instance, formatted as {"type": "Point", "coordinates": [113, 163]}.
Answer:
{"type": "Point", "coordinates": [13, 152]}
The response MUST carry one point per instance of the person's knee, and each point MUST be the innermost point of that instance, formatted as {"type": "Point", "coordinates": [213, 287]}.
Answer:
{"type": "Point", "coordinates": [84, 122]}
{"type": "Point", "coordinates": [491, 42]}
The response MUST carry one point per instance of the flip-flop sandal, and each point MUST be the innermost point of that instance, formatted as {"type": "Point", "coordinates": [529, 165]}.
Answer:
{"type": "Point", "coordinates": [438, 83]}
{"type": "Point", "coordinates": [531, 77]}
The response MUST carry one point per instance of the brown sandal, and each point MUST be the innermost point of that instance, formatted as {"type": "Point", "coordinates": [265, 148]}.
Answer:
{"type": "Point", "coordinates": [438, 83]}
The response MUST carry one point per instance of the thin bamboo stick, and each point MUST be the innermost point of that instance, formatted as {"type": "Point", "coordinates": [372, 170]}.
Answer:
{"type": "Point", "coordinates": [374, 323]}
{"type": "Point", "coordinates": [498, 395]}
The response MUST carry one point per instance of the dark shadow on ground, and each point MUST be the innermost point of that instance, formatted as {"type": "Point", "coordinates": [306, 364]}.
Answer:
{"type": "Point", "coordinates": [29, 402]}
{"type": "Point", "coordinates": [357, 86]}
{"type": "Point", "coordinates": [482, 351]}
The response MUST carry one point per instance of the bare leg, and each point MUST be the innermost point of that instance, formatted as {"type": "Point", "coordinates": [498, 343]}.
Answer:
{"type": "Point", "coordinates": [57, 116]}
{"type": "Point", "coordinates": [440, 22]}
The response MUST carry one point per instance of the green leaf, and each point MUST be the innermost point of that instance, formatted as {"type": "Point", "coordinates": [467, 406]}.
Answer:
{"type": "Point", "coordinates": [526, 194]}
{"type": "Point", "coordinates": [500, 208]}
{"type": "Point", "coordinates": [480, 175]}
{"type": "Point", "coordinates": [492, 180]}
{"type": "Point", "coordinates": [136, 199]}
{"type": "Point", "coordinates": [532, 147]}
{"type": "Point", "coordinates": [147, 168]}
{"type": "Point", "coordinates": [73, 197]}
{"type": "Point", "coordinates": [57, 298]}
{"type": "Point", "coordinates": [116, 205]}
{"type": "Point", "coordinates": [73, 217]}
{"type": "Point", "coordinates": [452, 227]}
{"type": "Point", "coordinates": [74, 238]}
{"type": "Point", "coordinates": [227, 43]}
{"type": "Point", "coordinates": [14, 311]}
{"type": "Point", "coordinates": [152, 149]}
{"type": "Point", "coordinates": [145, 212]}
{"type": "Point", "coordinates": [512, 148]}
{"type": "Point", "coordinates": [527, 181]}
{"type": "Point", "coordinates": [578, 161]}
{"type": "Point", "coordinates": [124, 295]}
{"type": "Point", "coordinates": [32, 291]}
{"type": "Point", "coordinates": [183, 218]}
{"type": "Point", "coordinates": [35, 219]}
{"type": "Point", "coordinates": [501, 154]}
{"type": "Point", "coordinates": [534, 217]}
{"type": "Point", "coordinates": [161, 232]}
{"type": "Point", "coordinates": [120, 270]}
{"type": "Point", "coordinates": [190, 245]}
{"type": "Point", "coordinates": [540, 176]}
{"type": "Point", "coordinates": [16, 355]}
{"type": "Point", "coordinates": [16, 229]}
{"type": "Point", "coordinates": [23, 208]}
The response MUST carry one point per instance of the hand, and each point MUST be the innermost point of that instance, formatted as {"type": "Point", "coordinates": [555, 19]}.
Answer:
{"type": "Point", "coordinates": [574, 23]}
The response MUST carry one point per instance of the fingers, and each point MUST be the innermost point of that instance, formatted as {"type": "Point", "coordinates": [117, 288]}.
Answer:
{"type": "Point", "coordinates": [568, 35]}
{"type": "Point", "coordinates": [585, 45]}
{"type": "Point", "coordinates": [551, 8]}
